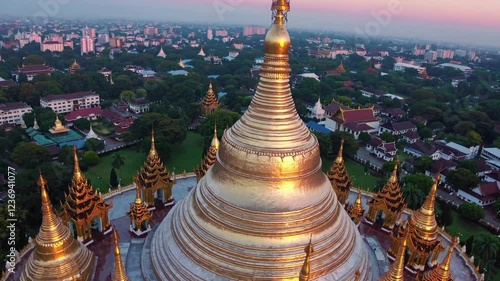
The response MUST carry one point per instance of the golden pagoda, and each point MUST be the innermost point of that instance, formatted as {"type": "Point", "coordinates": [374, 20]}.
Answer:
{"type": "Point", "coordinates": [119, 273]}
{"type": "Point", "coordinates": [306, 267]}
{"type": "Point", "coordinates": [422, 241]}
{"type": "Point", "coordinates": [57, 256]}
{"type": "Point", "coordinates": [389, 201]}
{"type": "Point", "coordinates": [396, 272]}
{"type": "Point", "coordinates": [74, 67]}
{"type": "Point", "coordinates": [339, 178]}
{"type": "Point", "coordinates": [139, 215]}
{"type": "Point", "coordinates": [84, 210]}
{"type": "Point", "coordinates": [442, 272]}
{"type": "Point", "coordinates": [210, 102]}
{"type": "Point", "coordinates": [154, 179]}
{"type": "Point", "coordinates": [340, 69]}
{"type": "Point", "coordinates": [256, 207]}
{"type": "Point", "coordinates": [210, 157]}
{"type": "Point", "coordinates": [58, 127]}
{"type": "Point", "coordinates": [181, 63]}
{"type": "Point", "coordinates": [356, 210]}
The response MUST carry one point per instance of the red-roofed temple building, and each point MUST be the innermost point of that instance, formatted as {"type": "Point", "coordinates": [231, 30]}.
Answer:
{"type": "Point", "coordinates": [344, 119]}
{"type": "Point", "coordinates": [32, 70]}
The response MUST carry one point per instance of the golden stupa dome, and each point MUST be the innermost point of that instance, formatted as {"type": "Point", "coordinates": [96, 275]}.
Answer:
{"type": "Point", "coordinates": [277, 40]}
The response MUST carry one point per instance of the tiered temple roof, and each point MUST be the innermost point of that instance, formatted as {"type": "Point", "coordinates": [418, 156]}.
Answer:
{"type": "Point", "coordinates": [74, 67]}
{"type": "Point", "coordinates": [210, 157]}
{"type": "Point", "coordinates": [58, 127]}
{"type": "Point", "coordinates": [119, 273]}
{"type": "Point", "coordinates": [82, 204]}
{"type": "Point", "coordinates": [356, 210]}
{"type": "Point", "coordinates": [154, 176]}
{"type": "Point", "coordinates": [57, 256]}
{"type": "Point", "coordinates": [422, 239]}
{"type": "Point", "coordinates": [339, 178]}
{"type": "Point", "coordinates": [340, 69]}
{"type": "Point", "coordinates": [442, 272]}
{"type": "Point", "coordinates": [139, 211]}
{"type": "Point", "coordinates": [210, 102]}
{"type": "Point", "coordinates": [389, 200]}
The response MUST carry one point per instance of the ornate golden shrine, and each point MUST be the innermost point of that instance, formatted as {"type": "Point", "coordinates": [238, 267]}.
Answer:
{"type": "Point", "coordinates": [83, 205]}
{"type": "Point", "coordinates": [74, 67]}
{"type": "Point", "coordinates": [388, 200]}
{"type": "Point", "coordinates": [139, 214]}
{"type": "Point", "coordinates": [210, 102]}
{"type": "Point", "coordinates": [154, 178]}
{"type": "Point", "coordinates": [57, 256]}
{"type": "Point", "coordinates": [58, 127]}
{"type": "Point", "coordinates": [210, 157]}
{"type": "Point", "coordinates": [305, 271]}
{"type": "Point", "coordinates": [396, 272]}
{"type": "Point", "coordinates": [119, 273]}
{"type": "Point", "coordinates": [422, 242]}
{"type": "Point", "coordinates": [340, 69]}
{"type": "Point", "coordinates": [356, 210]}
{"type": "Point", "coordinates": [339, 178]}
{"type": "Point", "coordinates": [442, 272]}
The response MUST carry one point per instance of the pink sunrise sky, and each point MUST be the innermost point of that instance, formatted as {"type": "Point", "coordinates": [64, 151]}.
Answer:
{"type": "Point", "coordinates": [455, 20]}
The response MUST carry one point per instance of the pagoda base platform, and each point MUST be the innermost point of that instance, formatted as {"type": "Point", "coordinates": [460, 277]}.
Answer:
{"type": "Point", "coordinates": [387, 230]}
{"type": "Point", "coordinates": [140, 232]}
{"type": "Point", "coordinates": [169, 203]}
{"type": "Point", "coordinates": [107, 231]}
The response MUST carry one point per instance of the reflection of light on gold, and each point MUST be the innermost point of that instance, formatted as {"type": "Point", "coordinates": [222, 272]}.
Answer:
{"type": "Point", "coordinates": [282, 43]}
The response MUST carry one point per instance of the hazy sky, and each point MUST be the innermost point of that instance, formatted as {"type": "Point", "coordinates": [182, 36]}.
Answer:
{"type": "Point", "coordinates": [464, 21]}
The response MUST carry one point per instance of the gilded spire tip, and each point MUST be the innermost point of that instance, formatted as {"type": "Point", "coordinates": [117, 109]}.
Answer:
{"type": "Point", "coordinates": [340, 157]}
{"type": "Point", "coordinates": [305, 271]}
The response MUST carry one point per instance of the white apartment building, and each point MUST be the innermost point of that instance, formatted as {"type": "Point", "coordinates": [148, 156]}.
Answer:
{"type": "Point", "coordinates": [12, 113]}
{"type": "Point", "coordinates": [69, 102]}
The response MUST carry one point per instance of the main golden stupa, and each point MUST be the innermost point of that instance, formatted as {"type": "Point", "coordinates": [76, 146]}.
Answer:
{"type": "Point", "coordinates": [252, 214]}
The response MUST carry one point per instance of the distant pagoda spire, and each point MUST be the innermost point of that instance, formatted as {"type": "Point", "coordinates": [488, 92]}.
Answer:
{"type": "Point", "coordinates": [201, 53]}
{"type": "Point", "coordinates": [209, 158]}
{"type": "Point", "coordinates": [35, 123]}
{"type": "Point", "coordinates": [57, 255]}
{"type": "Point", "coordinates": [210, 102]}
{"type": "Point", "coordinates": [340, 69]}
{"type": "Point", "coordinates": [119, 273]}
{"type": "Point", "coordinates": [82, 204]}
{"type": "Point", "coordinates": [339, 178]}
{"type": "Point", "coordinates": [153, 176]}
{"type": "Point", "coordinates": [181, 63]}
{"type": "Point", "coordinates": [305, 271]}
{"type": "Point", "coordinates": [356, 210]}
{"type": "Point", "coordinates": [442, 272]}
{"type": "Point", "coordinates": [161, 53]}
{"type": "Point", "coordinates": [389, 200]}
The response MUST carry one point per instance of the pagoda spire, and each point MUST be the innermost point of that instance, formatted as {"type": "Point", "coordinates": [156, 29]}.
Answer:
{"type": "Point", "coordinates": [152, 150]}
{"type": "Point", "coordinates": [396, 271]}
{"type": "Point", "coordinates": [139, 214]}
{"type": "Point", "coordinates": [210, 156]}
{"type": "Point", "coordinates": [339, 178]}
{"type": "Point", "coordinates": [305, 271]}
{"type": "Point", "coordinates": [442, 272]}
{"type": "Point", "coordinates": [210, 102]}
{"type": "Point", "coordinates": [57, 255]}
{"type": "Point", "coordinates": [356, 210]}
{"type": "Point", "coordinates": [77, 173]}
{"type": "Point", "coordinates": [119, 273]}
{"type": "Point", "coordinates": [424, 219]}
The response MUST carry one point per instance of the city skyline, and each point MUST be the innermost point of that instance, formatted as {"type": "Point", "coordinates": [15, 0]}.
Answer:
{"type": "Point", "coordinates": [452, 21]}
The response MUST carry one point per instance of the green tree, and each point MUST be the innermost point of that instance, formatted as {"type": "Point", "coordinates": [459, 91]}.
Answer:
{"type": "Point", "coordinates": [423, 163]}
{"type": "Point", "coordinates": [113, 178]}
{"type": "Point", "coordinates": [118, 161]}
{"type": "Point", "coordinates": [127, 95]}
{"type": "Point", "coordinates": [425, 133]}
{"type": "Point", "coordinates": [414, 196]}
{"type": "Point", "coordinates": [351, 146]}
{"type": "Point", "coordinates": [30, 155]}
{"type": "Point", "coordinates": [223, 118]}
{"type": "Point", "coordinates": [91, 158]}
{"type": "Point", "coordinates": [462, 178]}
{"type": "Point", "coordinates": [325, 143]}
{"type": "Point", "coordinates": [471, 211]}
{"type": "Point", "coordinates": [388, 167]}
{"type": "Point", "coordinates": [94, 144]}
{"type": "Point", "coordinates": [82, 124]}
{"type": "Point", "coordinates": [387, 137]}
{"type": "Point", "coordinates": [33, 60]}
{"type": "Point", "coordinates": [469, 165]}
{"type": "Point", "coordinates": [364, 137]}
{"type": "Point", "coordinates": [446, 217]}
{"type": "Point", "coordinates": [420, 181]}
{"type": "Point", "coordinates": [66, 155]}
{"type": "Point", "coordinates": [469, 243]}
{"type": "Point", "coordinates": [485, 249]}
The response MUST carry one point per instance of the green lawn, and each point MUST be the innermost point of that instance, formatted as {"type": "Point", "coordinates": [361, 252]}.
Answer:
{"type": "Point", "coordinates": [184, 156]}
{"type": "Point", "coordinates": [464, 228]}
{"type": "Point", "coordinates": [187, 155]}
{"type": "Point", "coordinates": [357, 173]}
{"type": "Point", "coordinates": [99, 174]}
{"type": "Point", "coordinates": [102, 127]}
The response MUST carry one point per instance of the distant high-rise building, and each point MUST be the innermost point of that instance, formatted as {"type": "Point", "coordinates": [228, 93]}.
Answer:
{"type": "Point", "coordinates": [430, 56]}
{"type": "Point", "coordinates": [116, 42]}
{"type": "Point", "coordinates": [428, 47]}
{"type": "Point", "coordinates": [222, 33]}
{"type": "Point", "coordinates": [103, 38]}
{"type": "Point", "coordinates": [35, 37]}
{"type": "Point", "coordinates": [417, 51]}
{"type": "Point", "coordinates": [472, 55]}
{"type": "Point", "coordinates": [461, 53]}
{"type": "Point", "coordinates": [53, 46]}
{"type": "Point", "coordinates": [445, 54]}
{"type": "Point", "coordinates": [70, 44]}
{"type": "Point", "coordinates": [90, 32]}
{"type": "Point", "coordinates": [210, 34]}
{"type": "Point", "coordinates": [253, 30]}
{"type": "Point", "coordinates": [87, 45]}
{"type": "Point", "coordinates": [150, 31]}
